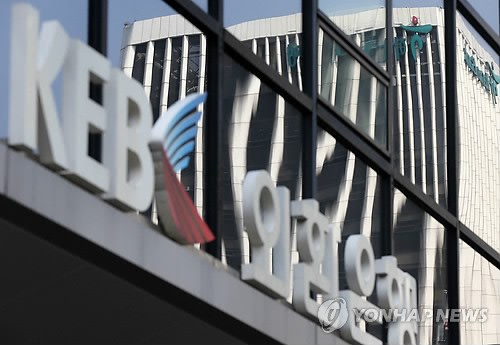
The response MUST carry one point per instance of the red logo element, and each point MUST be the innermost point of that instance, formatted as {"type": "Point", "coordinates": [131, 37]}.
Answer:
{"type": "Point", "coordinates": [414, 20]}
{"type": "Point", "coordinates": [192, 229]}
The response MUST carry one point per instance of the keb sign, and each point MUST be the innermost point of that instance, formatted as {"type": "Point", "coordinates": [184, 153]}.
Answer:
{"type": "Point", "coordinates": [132, 152]}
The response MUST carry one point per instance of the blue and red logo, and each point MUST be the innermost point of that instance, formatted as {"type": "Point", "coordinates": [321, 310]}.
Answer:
{"type": "Point", "coordinates": [172, 142]}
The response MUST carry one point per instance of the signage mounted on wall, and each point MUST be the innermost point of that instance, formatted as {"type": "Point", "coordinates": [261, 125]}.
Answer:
{"type": "Point", "coordinates": [126, 175]}
{"type": "Point", "coordinates": [485, 74]}
{"type": "Point", "coordinates": [293, 53]}
{"type": "Point", "coordinates": [415, 42]}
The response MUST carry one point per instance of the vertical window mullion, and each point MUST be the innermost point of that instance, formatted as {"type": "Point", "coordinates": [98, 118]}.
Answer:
{"type": "Point", "coordinates": [310, 86]}
{"type": "Point", "coordinates": [452, 238]}
{"type": "Point", "coordinates": [213, 205]}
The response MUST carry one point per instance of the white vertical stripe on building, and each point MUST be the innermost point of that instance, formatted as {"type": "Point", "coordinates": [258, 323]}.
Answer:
{"type": "Point", "coordinates": [148, 69]}
{"type": "Point", "coordinates": [320, 58]}
{"type": "Point", "coordinates": [399, 110]}
{"type": "Point", "coordinates": [432, 106]}
{"type": "Point", "coordinates": [299, 70]}
{"type": "Point", "coordinates": [128, 60]}
{"type": "Point", "coordinates": [198, 177]}
{"type": "Point", "coordinates": [266, 50]}
{"type": "Point", "coordinates": [288, 68]}
{"type": "Point", "coordinates": [167, 62]}
{"type": "Point", "coordinates": [411, 127]}
{"type": "Point", "coordinates": [184, 67]}
{"type": "Point", "coordinates": [278, 56]}
{"type": "Point", "coordinates": [442, 65]}
{"type": "Point", "coordinates": [335, 65]}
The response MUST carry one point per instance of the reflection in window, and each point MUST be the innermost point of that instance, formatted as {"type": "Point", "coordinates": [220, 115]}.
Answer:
{"type": "Point", "coordinates": [352, 89]}
{"type": "Point", "coordinates": [274, 38]}
{"type": "Point", "coordinates": [419, 244]}
{"type": "Point", "coordinates": [349, 193]}
{"type": "Point", "coordinates": [157, 77]}
{"type": "Point", "coordinates": [479, 289]}
{"type": "Point", "coordinates": [261, 131]}
{"type": "Point", "coordinates": [193, 68]}
{"type": "Point", "coordinates": [175, 71]}
{"type": "Point", "coordinates": [139, 62]}
{"type": "Point", "coordinates": [478, 81]}
{"type": "Point", "coordinates": [363, 21]}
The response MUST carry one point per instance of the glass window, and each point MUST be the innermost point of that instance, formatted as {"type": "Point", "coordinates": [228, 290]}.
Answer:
{"type": "Point", "coordinates": [419, 244]}
{"type": "Point", "coordinates": [478, 76]}
{"type": "Point", "coordinates": [479, 293]}
{"type": "Point", "coordinates": [363, 21]}
{"type": "Point", "coordinates": [157, 78]}
{"type": "Point", "coordinates": [350, 195]}
{"type": "Point", "coordinates": [351, 89]}
{"type": "Point", "coordinates": [261, 131]}
{"type": "Point", "coordinates": [175, 70]}
{"type": "Point", "coordinates": [193, 68]}
{"type": "Point", "coordinates": [270, 30]}
{"type": "Point", "coordinates": [139, 62]}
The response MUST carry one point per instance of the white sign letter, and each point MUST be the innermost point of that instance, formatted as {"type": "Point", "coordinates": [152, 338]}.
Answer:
{"type": "Point", "coordinates": [82, 115]}
{"type": "Point", "coordinates": [126, 151]}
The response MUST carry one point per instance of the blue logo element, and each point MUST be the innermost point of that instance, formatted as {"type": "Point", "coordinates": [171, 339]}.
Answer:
{"type": "Point", "coordinates": [178, 130]}
{"type": "Point", "coordinates": [172, 142]}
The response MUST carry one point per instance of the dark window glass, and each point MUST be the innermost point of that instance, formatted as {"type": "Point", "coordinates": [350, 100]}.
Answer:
{"type": "Point", "coordinates": [139, 62]}
{"type": "Point", "coordinates": [175, 71]}
{"type": "Point", "coordinates": [272, 53]}
{"type": "Point", "coordinates": [193, 68]}
{"type": "Point", "coordinates": [157, 77]}
{"type": "Point", "coordinates": [284, 63]}
{"type": "Point", "coordinates": [261, 47]}
{"type": "Point", "coordinates": [292, 58]}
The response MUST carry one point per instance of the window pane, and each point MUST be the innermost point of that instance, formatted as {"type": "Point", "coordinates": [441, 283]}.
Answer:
{"type": "Point", "coordinates": [419, 244]}
{"type": "Point", "coordinates": [272, 30]}
{"type": "Point", "coordinates": [479, 289]}
{"type": "Point", "coordinates": [261, 131]}
{"type": "Point", "coordinates": [419, 98]}
{"type": "Point", "coordinates": [351, 89]}
{"type": "Point", "coordinates": [349, 193]}
{"type": "Point", "coordinates": [477, 79]}
{"type": "Point", "coordinates": [157, 78]}
{"type": "Point", "coordinates": [139, 62]}
{"type": "Point", "coordinates": [363, 21]}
